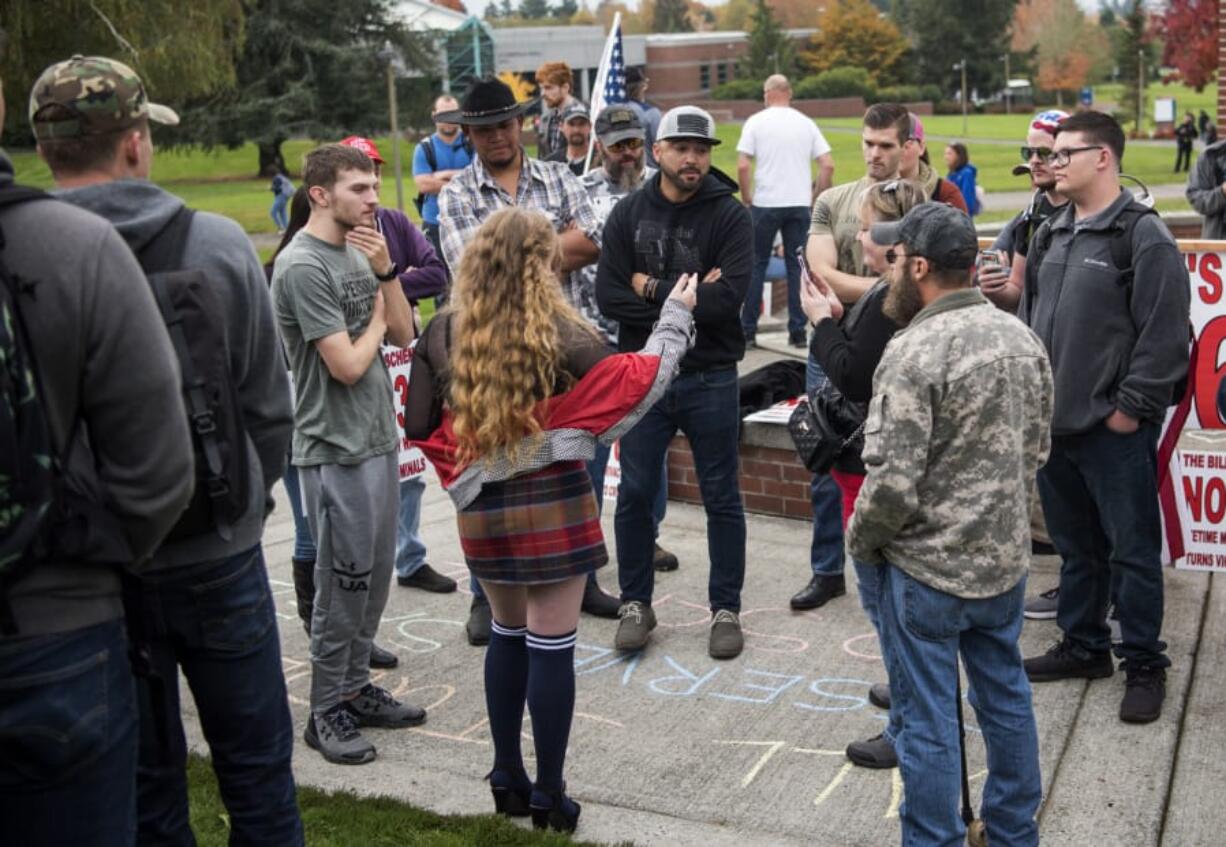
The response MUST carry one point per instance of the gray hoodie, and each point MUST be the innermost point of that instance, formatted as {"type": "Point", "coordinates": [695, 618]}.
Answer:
{"type": "Point", "coordinates": [105, 361]}
{"type": "Point", "coordinates": [1112, 346]}
{"type": "Point", "coordinates": [139, 209]}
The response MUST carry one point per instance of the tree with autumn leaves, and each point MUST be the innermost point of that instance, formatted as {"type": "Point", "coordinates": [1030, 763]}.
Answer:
{"type": "Point", "coordinates": [854, 33]}
{"type": "Point", "coordinates": [1189, 30]}
{"type": "Point", "coordinates": [1064, 42]}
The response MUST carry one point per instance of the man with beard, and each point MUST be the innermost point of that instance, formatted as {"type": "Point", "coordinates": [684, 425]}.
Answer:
{"type": "Point", "coordinates": [683, 220]}
{"type": "Point", "coordinates": [554, 80]}
{"type": "Point", "coordinates": [577, 133]}
{"type": "Point", "coordinates": [436, 160]}
{"type": "Point", "coordinates": [502, 175]}
{"type": "Point", "coordinates": [1003, 286]}
{"type": "Point", "coordinates": [834, 253]}
{"type": "Point", "coordinates": [337, 294]}
{"type": "Point", "coordinates": [956, 430]}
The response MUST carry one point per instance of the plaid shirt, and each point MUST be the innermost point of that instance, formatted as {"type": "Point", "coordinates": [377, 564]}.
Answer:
{"type": "Point", "coordinates": [473, 195]}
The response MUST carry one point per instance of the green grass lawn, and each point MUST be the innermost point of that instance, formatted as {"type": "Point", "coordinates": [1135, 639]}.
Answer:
{"type": "Point", "coordinates": [343, 819]}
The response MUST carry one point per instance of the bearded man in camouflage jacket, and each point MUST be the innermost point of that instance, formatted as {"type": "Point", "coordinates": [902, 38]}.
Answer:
{"type": "Point", "coordinates": [958, 426]}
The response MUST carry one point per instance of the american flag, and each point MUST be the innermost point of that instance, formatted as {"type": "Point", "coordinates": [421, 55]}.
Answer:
{"type": "Point", "coordinates": [610, 78]}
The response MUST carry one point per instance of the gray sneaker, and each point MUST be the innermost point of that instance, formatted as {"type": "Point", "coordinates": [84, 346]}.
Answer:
{"type": "Point", "coordinates": [637, 622]}
{"type": "Point", "coordinates": [726, 640]}
{"type": "Point", "coordinates": [335, 735]}
{"type": "Point", "coordinates": [374, 706]}
{"type": "Point", "coordinates": [1043, 607]}
{"type": "Point", "coordinates": [876, 752]}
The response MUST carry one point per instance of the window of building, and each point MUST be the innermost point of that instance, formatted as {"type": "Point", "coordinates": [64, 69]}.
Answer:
{"type": "Point", "coordinates": [721, 73]}
{"type": "Point", "coordinates": [704, 77]}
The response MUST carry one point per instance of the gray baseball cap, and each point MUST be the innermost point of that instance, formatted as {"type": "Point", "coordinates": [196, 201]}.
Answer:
{"type": "Point", "coordinates": [687, 122]}
{"type": "Point", "coordinates": [574, 110]}
{"type": "Point", "coordinates": [937, 231]}
{"type": "Point", "coordinates": [618, 122]}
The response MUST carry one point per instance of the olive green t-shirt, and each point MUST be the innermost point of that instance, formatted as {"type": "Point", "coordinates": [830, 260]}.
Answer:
{"type": "Point", "coordinates": [319, 289]}
{"type": "Point", "coordinates": [837, 213]}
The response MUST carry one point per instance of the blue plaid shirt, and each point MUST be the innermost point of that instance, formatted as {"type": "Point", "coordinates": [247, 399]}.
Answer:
{"type": "Point", "coordinates": [473, 195]}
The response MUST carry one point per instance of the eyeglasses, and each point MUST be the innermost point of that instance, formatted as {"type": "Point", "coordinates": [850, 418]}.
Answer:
{"type": "Point", "coordinates": [1044, 153]}
{"type": "Point", "coordinates": [625, 144]}
{"type": "Point", "coordinates": [1061, 158]}
{"type": "Point", "coordinates": [892, 255]}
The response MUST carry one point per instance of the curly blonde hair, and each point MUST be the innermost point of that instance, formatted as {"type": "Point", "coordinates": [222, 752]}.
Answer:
{"type": "Point", "coordinates": [508, 315]}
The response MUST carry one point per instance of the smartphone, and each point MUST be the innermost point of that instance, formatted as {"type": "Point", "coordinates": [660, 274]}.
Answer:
{"type": "Point", "coordinates": [804, 266]}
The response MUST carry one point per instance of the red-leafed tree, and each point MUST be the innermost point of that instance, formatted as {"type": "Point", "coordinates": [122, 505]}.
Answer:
{"type": "Point", "coordinates": [453, 5]}
{"type": "Point", "coordinates": [1189, 31]}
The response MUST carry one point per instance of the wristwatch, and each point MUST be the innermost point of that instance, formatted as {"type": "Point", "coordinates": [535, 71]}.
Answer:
{"type": "Point", "coordinates": [389, 276]}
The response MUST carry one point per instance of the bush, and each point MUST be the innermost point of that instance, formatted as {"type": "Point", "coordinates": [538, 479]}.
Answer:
{"type": "Point", "coordinates": [908, 94]}
{"type": "Point", "coordinates": [837, 82]}
{"type": "Point", "coordinates": [738, 89]}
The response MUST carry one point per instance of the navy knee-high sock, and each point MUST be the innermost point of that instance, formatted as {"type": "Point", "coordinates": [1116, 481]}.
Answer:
{"type": "Point", "coordinates": [506, 685]}
{"type": "Point", "coordinates": [551, 702]}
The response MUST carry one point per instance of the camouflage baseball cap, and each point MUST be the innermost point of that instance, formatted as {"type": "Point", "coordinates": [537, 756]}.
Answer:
{"type": "Point", "coordinates": [937, 231]}
{"type": "Point", "coordinates": [97, 95]}
{"type": "Point", "coordinates": [617, 123]}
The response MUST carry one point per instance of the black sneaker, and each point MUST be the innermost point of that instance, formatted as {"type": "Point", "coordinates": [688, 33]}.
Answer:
{"type": "Point", "coordinates": [375, 706]}
{"type": "Point", "coordinates": [1066, 660]}
{"type": "Point", "coordinates": [597, 602]}
{"type": "Point", "coordinates": [879, 695]}
{"type": "Point", "coordinates": [335, 735]}
{"type": "Point", "coordinates": [1044, 606]}
{"type": "Point", "coordinates": [1144, 691]}
{"type": "Point", "coordinates": [478, 627]}
{"type": "Point", "coordinates": [876, 752]}
{"type": "Point", "coordinates": [820, 590]}
{"type": "Point", "coordinates": [382, 659]}
{"type": "Point", "coordinates": [663, 561]}
{"type": "Point", "coordinates": [797, 339]}
{"type": "Point", "coordinates": [427, 579]}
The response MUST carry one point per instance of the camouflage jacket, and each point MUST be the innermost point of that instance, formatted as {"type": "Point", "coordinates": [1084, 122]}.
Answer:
{"type": "Point", "coordinates": [958, 426]}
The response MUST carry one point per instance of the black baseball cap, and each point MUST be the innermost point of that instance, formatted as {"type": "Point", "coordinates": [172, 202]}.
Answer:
{"type": "Point", "coordinates": [937, 231]}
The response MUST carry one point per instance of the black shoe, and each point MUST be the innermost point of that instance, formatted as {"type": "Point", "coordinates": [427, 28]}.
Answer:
{"type": "Point", "coordinates": [382, 659]}
{"type": "Point", "coordinates": [879, 695]}
{"type": "Point", "coordinates": [596, 602]}
{"type": "Point", "coordinates": [427, 579]}
{"type": "Point", "coordinates": [512, 795]}
{"type": "Point", "coordinates": [662, 560]}
{"type": "Point", "coordinates": [304, 589]}
{"type": "Point", "coordinates": [876, 752]}
{"type": "Point", "coordinates": [1066, 660]}
{"type": "Point", "coordinates": [797, 339]}
{"type": "Point", "coordinates": [820, 590]}
{"type": "Point", "coordinates": [478, 626]}
{"type": "Point", "coordinates": [555, 810]}
{"type": "Point", "coordinates": [1144, 691]}
{"type": "Point", "coordinates": [1042, 548]}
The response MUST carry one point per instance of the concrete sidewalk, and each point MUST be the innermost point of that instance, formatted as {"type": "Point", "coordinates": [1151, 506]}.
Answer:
{"type": "Point", "coordinates": [672, 747]}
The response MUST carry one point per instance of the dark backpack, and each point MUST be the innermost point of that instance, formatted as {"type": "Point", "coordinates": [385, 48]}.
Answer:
{"type": "Point", "coordinates": [427, 147]}
{"type": "Point", "coordinates": [51, 506]}
{"type": "Point", "coordinates": [196, 321]}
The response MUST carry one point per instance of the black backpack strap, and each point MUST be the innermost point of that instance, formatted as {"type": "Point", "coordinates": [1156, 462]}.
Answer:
{"type": "Point", "coordinates": [162, 254]}
{"type": "Point", "coordinates": [428, 147]}
{"type": "Point", "coordinates": [1121, 241]}
{"type": "Point", "coordinates": [1039, 244]}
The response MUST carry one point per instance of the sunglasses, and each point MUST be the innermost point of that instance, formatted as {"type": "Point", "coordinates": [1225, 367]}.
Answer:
{"type": "Point", "coordinates": [892, 255]}
{"type": "Point", "coordinates": [1044, 153]}
{"type": "Point", "coordinates": [626, 144]}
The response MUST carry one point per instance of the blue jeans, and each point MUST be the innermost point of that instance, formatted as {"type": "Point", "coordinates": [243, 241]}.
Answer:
{"type": "Point", "coordinates": [703, 405]}
{"type": "Point", "coordinates": [794, 223]}
{"type": "Point", "coordinates": [280, 217]}
{"type": "Point", "coordinates": [868, 582]}
{"type": "Point", "coordinates": [410, 549]}
{"type": "Point", "coordinates": [68, 736]}
{"type": "Point", "coordinates": [927, 630]}
{"type": "Point", "coordinates": [596, 470]}
{"type": "Point", "coordinates": [216, 622]}
{"type": "Point", "coordinates": [1099, 492]}
{"type": "Point", "coordinates": [304, 544]}
{"type": "Point", "coordinates": [826, 549]}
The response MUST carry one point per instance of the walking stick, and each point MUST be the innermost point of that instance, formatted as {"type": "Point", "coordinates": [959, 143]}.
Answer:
{"type": "Point", "coordinates": [976, 835]}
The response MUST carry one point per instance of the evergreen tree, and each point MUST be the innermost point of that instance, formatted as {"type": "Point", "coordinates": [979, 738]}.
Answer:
{"type": "Point", "coordinates": [770, 50]}
{"type": "Point", "coordinates": [944, 32]}
{"type": "Point", "coordinates": [671, 16]}
{"type": "Point", "coordinates": [534, 10]}
{"type": "Point", "coordinates": [566, 9]}
{"type": "Point", "coordinates": [1132, 49]}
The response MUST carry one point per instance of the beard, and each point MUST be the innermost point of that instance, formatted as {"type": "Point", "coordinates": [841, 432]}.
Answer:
{"type": "Point", "coordinates": [626, 177]}
{"type": "Point", "coordinates": [902, 299]}
{"type": "Point", "coordinates": [679, 181]}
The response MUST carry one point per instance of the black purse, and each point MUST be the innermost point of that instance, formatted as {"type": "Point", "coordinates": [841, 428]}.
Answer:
{"type": "Point", "coordinates": [824, 425]}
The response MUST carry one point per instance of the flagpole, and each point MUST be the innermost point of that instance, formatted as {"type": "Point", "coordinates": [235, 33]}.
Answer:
{"type": "Point", "coordinates": [602, 73]}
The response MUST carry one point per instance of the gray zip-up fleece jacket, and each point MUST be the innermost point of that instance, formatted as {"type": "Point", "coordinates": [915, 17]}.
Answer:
{"type": "Point", "coordinates": [139, 209]}
{"type": "Point", "coordinates": [1112, 346]}
{"type": "Point", "coordinates": [1204, 190]}
{"type": "Point", "coordinates": [106, 365]}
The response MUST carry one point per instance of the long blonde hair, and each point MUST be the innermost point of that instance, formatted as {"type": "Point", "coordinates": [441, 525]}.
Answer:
{"type": "Point", "coordinates": [508, 312]}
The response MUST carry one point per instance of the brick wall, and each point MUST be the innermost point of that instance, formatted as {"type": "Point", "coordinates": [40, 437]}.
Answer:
{"type": "Point", "coordinates": [773, 482]}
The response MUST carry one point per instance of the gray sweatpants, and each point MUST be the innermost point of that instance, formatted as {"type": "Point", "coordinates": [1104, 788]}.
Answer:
{"type": "Point", "coordinates": [352, 512]}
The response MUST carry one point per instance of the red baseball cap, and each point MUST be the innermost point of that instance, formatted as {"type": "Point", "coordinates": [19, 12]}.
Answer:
{"type": "Point", "coordinates": [366, 146]}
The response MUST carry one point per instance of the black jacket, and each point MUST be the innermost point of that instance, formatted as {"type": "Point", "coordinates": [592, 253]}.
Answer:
{"type": "Point", "coordinates": [1204, 190]}
{"type": "Point", "coordinates": [646, 233]}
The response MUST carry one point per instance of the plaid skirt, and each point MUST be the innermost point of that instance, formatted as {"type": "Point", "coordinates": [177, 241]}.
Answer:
{"type": "Point", "coordinates": [540, 527]}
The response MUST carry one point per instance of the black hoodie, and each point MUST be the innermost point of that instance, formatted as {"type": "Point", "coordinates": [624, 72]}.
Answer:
{"type": "Point", "coordinates": [648, 233]}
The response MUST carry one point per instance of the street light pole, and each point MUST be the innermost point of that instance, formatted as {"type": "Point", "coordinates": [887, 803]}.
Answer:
{"type": "Point", "coordinates": [963, 66]}
{"type": "Point", "coordinates": [1008, 90]}
{"type": "Point", "coordinates": [391, 109]}
{"type": "Point", "coordinates": [1140, 90]}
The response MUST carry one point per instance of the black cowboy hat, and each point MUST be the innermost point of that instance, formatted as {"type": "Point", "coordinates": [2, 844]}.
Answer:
{"type": "Point", "coordinates": [487, 101]}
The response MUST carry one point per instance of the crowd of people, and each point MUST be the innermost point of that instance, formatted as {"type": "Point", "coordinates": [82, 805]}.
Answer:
{"type": "Point", "coordinates": [603, 291]}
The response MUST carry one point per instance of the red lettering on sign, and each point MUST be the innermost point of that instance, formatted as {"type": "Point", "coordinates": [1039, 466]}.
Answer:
{"type": "Point", "coordinates": [1210, 290]}
{"type": "Point", "coordinates": [1209, 374]}
{"type": "Point", "coordinates": [401, 387]}
{"type": "Point", "coordinates": [1206, 498]}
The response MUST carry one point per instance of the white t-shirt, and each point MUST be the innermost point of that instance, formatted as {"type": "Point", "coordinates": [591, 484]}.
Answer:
{"type": "Point", "coordinates": [783, 143]}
